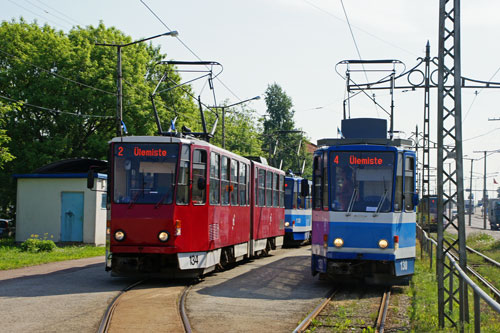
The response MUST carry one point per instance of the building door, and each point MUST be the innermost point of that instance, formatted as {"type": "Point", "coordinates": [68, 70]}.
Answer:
{"type": "Point", "coordinates": [71, 216]}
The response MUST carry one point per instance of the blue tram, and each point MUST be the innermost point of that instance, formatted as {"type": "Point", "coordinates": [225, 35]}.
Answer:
{"type": "Point", "coordinates": [364, 199]}
{"type": "Point", "coordinates": [298, 203]}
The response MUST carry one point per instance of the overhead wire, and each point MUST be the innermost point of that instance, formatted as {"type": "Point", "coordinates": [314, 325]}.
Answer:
{"type": "Point", "coordinates": [32, 12]}
{"type": "Point", "coordinates": [366, 32]}
{"type": "Point", "coordinates": [53, 110]}
{"type": "Point", "coordinates": [46, 11]}
{"type": "Point", "coordinates": [61, 13]}
{"type": "Point", "coordinates": [476, 93]}
{"type": "Point", "coordinates": [188, 48]}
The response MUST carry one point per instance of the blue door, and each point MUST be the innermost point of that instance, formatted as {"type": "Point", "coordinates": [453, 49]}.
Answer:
{"type": "Point", "coordinates": [72, 216]}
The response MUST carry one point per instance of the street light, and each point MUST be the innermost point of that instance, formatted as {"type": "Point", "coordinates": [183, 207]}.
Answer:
{"type": "Point", "coordinates": [119, 111]}
{"type": "Point", "coordinates": [224, 116]}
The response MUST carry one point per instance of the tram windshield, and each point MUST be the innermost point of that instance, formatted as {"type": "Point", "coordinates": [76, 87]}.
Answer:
{"type": "Point", "coordinates": [144, 173]}
{"type": "Point", "coordinates": [362, 181]}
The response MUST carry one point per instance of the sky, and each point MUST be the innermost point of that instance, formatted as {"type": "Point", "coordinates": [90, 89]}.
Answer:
{"type": "Point", "coordinates": [298, 43]}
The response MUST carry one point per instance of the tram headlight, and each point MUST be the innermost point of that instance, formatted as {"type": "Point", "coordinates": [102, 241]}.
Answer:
{"type": "Point", "coordinates": [163, 236]}
{"type": "Point", "coordinates": [383, 243]}
{"type": "Point", "coordinates": [338, 242]}
{"type": "Point", "coordinates": [287, 224]}
{"type": "Point", "coordinates": [119, 235]}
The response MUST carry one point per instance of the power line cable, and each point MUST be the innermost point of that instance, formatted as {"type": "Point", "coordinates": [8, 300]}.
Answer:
{"type": "Point", "coordinates": [366, 32]}
{"type": "Point", "coordinates": [57, 75]}
{"type": "Point", "coordinates": [32, 12]}
{"type": "Point", "coordinates": [357, 48]}
{"type": "Point", "coordinates": [61, 13]}
{"type": "Point", "coordinates": [479, 136]}
{"type": "Point", "coordinates": [53, 110]}
{"type": "Point", "coordinates": [476, 93]}
{"type": "Point", "coordinates": [46, 11]}
{"type": "Point", "coordinates": [187, 47]}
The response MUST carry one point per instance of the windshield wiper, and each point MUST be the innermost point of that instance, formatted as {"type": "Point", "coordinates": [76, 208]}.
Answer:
{"type": "Point", "coordinates": [379, 206]}
{"type": "Point", "coordinates": [164, 196]}
{"type": "Point", "coordinates": [351, 202]}
{"type": "Point", "coordinates": [136, 196]}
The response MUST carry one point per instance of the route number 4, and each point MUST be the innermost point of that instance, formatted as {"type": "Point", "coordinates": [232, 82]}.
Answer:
{"type": "Point", "coordinates": [404, 265]}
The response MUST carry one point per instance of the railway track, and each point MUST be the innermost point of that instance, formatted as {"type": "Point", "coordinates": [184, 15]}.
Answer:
{"type": "Point", "coordinates": [352, 309]}
{"type": "Point", "coordinates": [117, 316]}
{"type": "Point", "coordinates": [493, 289]}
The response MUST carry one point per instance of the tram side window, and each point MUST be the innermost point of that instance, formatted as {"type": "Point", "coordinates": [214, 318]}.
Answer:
{"type": "Point", "coordinates": [276, 190]}
{"type": "Point", "coordinates": [243, 184]}
{"type": "Point", "coordinates": [199, 177]}
{"type": "Point", "coordinates": [295, 189]}
{"type": "Point", "coordinates": [269, 189]}
{"type": "Point", "coordinates": [302, 200]}
{"type": "Point", "coordinates": [317, 182]}
{"type": "Point", "coordinates": [282, 191]}
{"type": "Point", "coordinates": [225, 171]}
{"type": "Point", "coordinates": [183, 181]}
{"type": "Point", "coordinates": [262, 187]}
{"type": "Point", "coordinates": [325, 181]}
{"type": "Point", "coordinates": [214, 179]}
{"type": "Point", "coordinates": [309, 198]}
{"type": "Point", "coordinates": [398, 198]}
{"type": "Point", "coordinates": [409, 183]}
{"type": "Point", "coordinates": [233, 188]}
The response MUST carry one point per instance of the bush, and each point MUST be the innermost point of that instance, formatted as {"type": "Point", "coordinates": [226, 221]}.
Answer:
{"type": "Point", "coordinates": [38, 245]}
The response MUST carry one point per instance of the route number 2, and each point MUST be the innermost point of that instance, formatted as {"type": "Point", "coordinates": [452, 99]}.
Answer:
{"type": "Point", "coordinates": [193, 260]}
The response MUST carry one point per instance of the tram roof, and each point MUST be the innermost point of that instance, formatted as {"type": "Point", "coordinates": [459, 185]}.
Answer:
{"type": "Point", "coordinates": [365, 141]}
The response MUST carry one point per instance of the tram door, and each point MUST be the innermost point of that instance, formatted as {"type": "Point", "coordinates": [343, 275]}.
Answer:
{"type": "Point", "coordinates": [71, 216]}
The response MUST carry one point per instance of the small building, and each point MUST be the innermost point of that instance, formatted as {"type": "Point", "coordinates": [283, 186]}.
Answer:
{"type": "Point", "coordinates": [54, 202]}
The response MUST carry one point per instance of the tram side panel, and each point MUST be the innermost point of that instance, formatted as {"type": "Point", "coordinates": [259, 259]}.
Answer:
{"type": "Point", "coordinates": [267, 208]}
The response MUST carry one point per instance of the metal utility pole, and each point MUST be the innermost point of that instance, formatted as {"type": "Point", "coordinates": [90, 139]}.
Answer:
{"type": "Point", "coordinates": [223, 107]}
{"type": "Point", "coordinates": [119, 93]}
{"type": "Point", "coordinates": [426, 131]}
{"type": "Point", "coordinates": [485, 190]}
{"type": "Point", "coordinates": [485, 194]}
{"type": "Point", "coordinates": [450, 150]}
{"type": "Point", "coordinates": [471, 205]}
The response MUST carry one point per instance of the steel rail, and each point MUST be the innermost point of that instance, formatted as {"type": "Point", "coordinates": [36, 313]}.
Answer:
{"type": "Point", "coordinates": [382, 313]}
{"type": "Point", "coordinates": [106, 319]}
{"type": "Point", "coordinates": [307, 321]}
{"type": "Point", "coordinates": [182, 310]}
{"type": "Point", "coordinates": [486, 283]}
{"type": "Point", "coordinates": [478, 291]}
{"type": "Point", "coordinates": [488, 259]}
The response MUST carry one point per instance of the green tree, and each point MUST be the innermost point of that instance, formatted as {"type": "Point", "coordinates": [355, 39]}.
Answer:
{"type": "Point", "coordinates": [283, 142]}
{"type": "Point", "coordinates": [5, 155]}
{"type": "Point", "coordinates": [34, 62]}
{"type": "Point", "coordinates": [243, 136]}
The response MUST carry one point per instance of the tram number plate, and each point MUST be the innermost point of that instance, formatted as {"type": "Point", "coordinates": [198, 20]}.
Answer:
{"type": "Point", "coordinates": [403, 265]}
{"type": "Point", "coordinates": [193, 260]}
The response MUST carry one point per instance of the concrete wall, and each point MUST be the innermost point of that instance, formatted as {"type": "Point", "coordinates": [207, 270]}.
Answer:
{"type": "Point", "coordinates": [38, 208]}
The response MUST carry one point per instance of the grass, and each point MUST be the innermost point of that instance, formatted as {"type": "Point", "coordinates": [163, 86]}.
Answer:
{"type": "Point", "coordinates": [11, 255]}
{"type": "Point", "coordinates": [424, 311]}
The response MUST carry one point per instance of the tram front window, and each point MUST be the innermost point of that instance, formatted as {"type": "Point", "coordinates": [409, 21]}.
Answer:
{"type": "Point", "coordinates": [144, 173]}
{"type": "Point", "coordinates": [362, 181]}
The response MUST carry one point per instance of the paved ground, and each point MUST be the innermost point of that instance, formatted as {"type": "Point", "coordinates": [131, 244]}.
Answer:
{"type": "Point", "coordinates": [271, 294]}
{"type": "Point", "coordinates": [477, 226]}
{"type": "Point", "coordinates": [57, 297]}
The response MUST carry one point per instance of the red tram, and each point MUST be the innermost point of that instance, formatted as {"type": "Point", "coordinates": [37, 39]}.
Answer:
{"type": "Point", "coordinates": [179, 207]}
